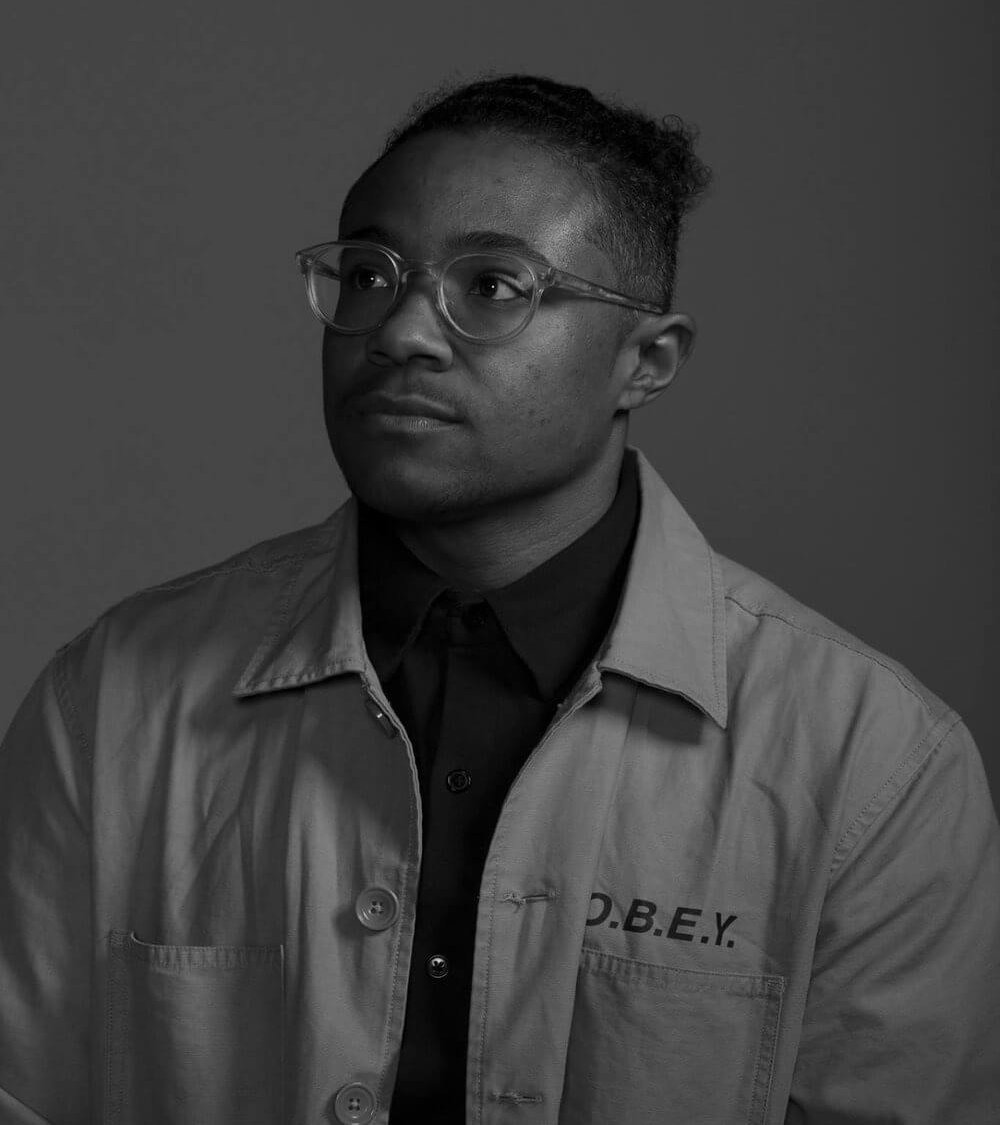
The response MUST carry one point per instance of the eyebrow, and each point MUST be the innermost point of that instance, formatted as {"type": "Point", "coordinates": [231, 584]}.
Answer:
{"type": "Point", "coordinates": [461, 240]}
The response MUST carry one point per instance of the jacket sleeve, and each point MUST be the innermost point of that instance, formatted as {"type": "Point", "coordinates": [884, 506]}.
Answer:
{"type": "Point", "coordinates": [45, 923]}
{"type": "Point", "coordinates": [902, 1020]}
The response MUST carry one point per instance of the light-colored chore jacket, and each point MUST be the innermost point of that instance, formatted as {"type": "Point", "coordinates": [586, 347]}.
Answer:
{"type": "Point", "coordinates": [750, 874]}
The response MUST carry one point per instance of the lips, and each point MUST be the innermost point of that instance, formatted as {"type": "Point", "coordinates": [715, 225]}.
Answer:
{"type": "Point", "coordinates": [381, 402]}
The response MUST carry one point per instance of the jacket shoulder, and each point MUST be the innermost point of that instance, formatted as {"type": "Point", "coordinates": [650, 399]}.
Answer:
{"type": "Point", "coordinates": [777, 626]}
{"type": "Point", "coordinates": [263, 557]}
{"type": "Point", "coordinates": [207, 619]}
{"type": "Point", "coordinates": [850, 719]}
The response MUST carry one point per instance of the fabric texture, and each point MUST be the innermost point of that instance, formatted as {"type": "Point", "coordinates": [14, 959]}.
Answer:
{"type": "Point", "coordinates": [474, 706]}
{"type": "Point", "coordinates": [749, 873]}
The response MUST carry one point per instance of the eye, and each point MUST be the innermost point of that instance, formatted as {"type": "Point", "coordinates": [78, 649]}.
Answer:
{"type": "Point", "coordinates": [498, 287]}
{"type": "Point", "coordinates": [364, 278]}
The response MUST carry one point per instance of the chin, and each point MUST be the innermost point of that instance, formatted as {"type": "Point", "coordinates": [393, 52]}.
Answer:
{"type": "Point", "coordinates": [408, 491]}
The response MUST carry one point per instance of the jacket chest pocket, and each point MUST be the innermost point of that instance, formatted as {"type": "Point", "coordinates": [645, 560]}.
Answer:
{"type": "Point", "coordinates": [656, 1044]}
{"type": "Point", "coordinates": [194, 1034]}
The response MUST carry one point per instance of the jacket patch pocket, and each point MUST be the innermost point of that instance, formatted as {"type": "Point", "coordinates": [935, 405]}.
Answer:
{"type": "Point", "coordinates": [651, 1043]}
{"type": "Point", "coordinates": [194, 1034]}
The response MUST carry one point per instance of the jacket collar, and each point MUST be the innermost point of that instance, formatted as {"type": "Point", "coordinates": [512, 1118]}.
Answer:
{"type": "Point", "coordinates": [669, 632]}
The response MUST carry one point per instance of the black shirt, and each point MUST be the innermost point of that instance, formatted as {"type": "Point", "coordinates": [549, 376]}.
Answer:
{"type": "Point", "coordinates": [475, 680]}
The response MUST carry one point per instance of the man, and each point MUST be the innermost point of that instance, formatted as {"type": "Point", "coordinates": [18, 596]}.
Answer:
{"type": "Point", "coordinates": [498, 796]}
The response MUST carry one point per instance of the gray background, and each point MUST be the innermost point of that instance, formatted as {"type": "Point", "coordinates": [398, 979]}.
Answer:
{"type": "Point", "coordinates": [161, 370]}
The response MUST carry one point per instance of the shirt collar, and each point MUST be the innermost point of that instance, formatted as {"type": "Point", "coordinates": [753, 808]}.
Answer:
{"type": "Point", "coordinates": [669, 632]}
{"type": "Point", "coordinates": [552, 616]}
{"type": "Point", "coordinates": [396, 591]}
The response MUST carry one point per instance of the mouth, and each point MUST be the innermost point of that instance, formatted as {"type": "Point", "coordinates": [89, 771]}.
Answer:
{"type": "Point", "coordinates": [402, 423]}
{"type": "Point", "coordinates": [406, 411]}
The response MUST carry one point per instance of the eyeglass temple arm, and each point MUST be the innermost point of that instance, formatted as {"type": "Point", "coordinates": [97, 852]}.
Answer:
{"type": "Point", "coordinates": [591, 288]}
{"type": "Point", "coordinates": [307, 260]}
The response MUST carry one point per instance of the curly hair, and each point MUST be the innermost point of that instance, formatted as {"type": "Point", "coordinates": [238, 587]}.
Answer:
{"type": "Point", "coordinates": [643, 172]}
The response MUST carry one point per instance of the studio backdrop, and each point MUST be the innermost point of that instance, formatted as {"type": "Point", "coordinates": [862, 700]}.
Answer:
{"type": "Point", "coordinates": [161, 379]}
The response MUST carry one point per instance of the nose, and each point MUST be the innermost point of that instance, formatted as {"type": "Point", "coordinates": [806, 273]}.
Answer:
{"type": "Point", "coordinates": [414, 328]}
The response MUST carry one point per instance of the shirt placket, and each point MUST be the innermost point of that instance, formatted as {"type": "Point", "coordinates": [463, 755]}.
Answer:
{"type": "Point", "coordinates": [467, 771]}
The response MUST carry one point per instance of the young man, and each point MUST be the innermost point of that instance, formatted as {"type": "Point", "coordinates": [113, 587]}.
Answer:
{"type": "Point", "coordinates": [498, 796]}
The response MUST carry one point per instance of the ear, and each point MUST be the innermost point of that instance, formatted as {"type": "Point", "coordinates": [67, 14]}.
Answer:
{"type": "Point", "coordinates": [650, 356]}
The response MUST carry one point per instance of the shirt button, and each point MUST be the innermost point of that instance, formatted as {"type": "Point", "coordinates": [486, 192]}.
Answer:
{"type": "Point", "coordinates": [437, 966]}
{"type": "Point", "coordinates": [377, 909]}
{"type": "Point", "coordinates": [458, 781]}
{"type": "Point", "coordinates": [354, 1104]}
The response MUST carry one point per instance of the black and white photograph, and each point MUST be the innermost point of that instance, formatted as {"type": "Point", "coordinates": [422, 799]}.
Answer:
{"type": "Point", "coordinates": [498, 602]}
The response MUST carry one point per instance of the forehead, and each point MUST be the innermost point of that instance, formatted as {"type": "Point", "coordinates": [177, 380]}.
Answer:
{"type": "Point", "coordinates": [437, 185]}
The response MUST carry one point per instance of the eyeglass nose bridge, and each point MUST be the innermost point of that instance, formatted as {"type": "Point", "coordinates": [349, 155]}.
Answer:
{"type": "Point", "coordinates": [414, 265]}
{"type": "Point", "coordinates": [405, 267]}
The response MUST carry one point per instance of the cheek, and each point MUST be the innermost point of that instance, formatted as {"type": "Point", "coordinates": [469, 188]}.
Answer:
{"type": "Point", "coordinates": [340, 356]}
{"type": "Point", "coordinates": [567, 391]}
{"type": "Point", "coordinates": [544, 420]}
{"type": "Point", "coordinates": [537, 405]}
{"type": "Point", "coordinates": [531, 407]}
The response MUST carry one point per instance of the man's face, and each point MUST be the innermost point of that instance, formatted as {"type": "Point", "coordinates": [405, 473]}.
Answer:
{"type": "Point", "coordinates": [532, 413]}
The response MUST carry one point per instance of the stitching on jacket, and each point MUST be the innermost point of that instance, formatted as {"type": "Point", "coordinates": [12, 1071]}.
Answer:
{"type": "Point", "coordinates": [640, 674]}
{"type": "Point", "coordinates": [247, 560]}
{"type": "Point", "coordinates": [770, 982]}
{"type": "Point", "coordinates": [515, 1098]}
{"type": "Point", "coordinates": [307, 675]}
{"type": "Point", "coordinates": [116, 1027]}
{"type": "Point", "coordinates": [224, 568]}
{"type": "Point", "coordinates": [67, 708]}
{"type": "Point", "coordinates": [888, 792]}
{"type": "Point", "coordinates": [719, 696]}
{"type": "Point", "coordinates": [766, 1051]}
{"type": "Point", "coordinates": [284, 601]}
{"type": "Point", "coordinates": [414, 846]}
{"type": "Point", "coordinates": [519, 900]}
{"type": "Point", "coordinates": [478, 1080]}
{"type": "Point", "coordinates": [757, 612]}
{"type": "Point", "coordinates": [276, 625]}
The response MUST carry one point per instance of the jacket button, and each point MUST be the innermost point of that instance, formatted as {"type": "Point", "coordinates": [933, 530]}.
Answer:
{"type": "Point", "coordinates": [437, 966]}
{"type": "Point", "coordinates": [458, 781]}
{"type": "Point", "coordinates": [377, 908]}
{"type": "Point", "coordinates": [354, 1104]}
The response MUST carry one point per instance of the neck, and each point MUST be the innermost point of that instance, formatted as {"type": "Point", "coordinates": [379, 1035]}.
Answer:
{"type": "Point", "coordinates": [497, 547]}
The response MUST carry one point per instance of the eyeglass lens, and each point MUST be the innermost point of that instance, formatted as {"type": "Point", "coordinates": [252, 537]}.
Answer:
{"type": "Point", "coordinates": [487, 295]}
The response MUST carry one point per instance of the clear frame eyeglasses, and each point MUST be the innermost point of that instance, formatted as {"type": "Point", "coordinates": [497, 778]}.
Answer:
{"type": "Point", "coordinates": [484, 296]}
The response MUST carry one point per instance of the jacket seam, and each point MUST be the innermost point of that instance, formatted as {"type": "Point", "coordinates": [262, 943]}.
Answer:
{"type": "Point", "coordinates": [280, 608]}
{"type": "Point", "coordinates": [888, 793]}
{"type": "Point", "coordinates": [413, 856]}
{"type": "Point", "coordinates": [867, 655]}
{"type": "Point", "coordinates": [771, 980]}
{"type": "Point", "coordinates": [215, 572]}
{"type": "Point", "coordinates": [479, 1106]}
{"type": "Point", "coordinates": [246, 560]}
{"type": "Point", "coordinates": [713, 595]}
{"type": "Point", "coordinates": [67, 708]}
{"type": "Point", "coordinates": [280, 611]}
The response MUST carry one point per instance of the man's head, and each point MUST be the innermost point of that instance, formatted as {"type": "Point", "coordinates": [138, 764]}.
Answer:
{"type": "Point", "coordinates": [599, 191]}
